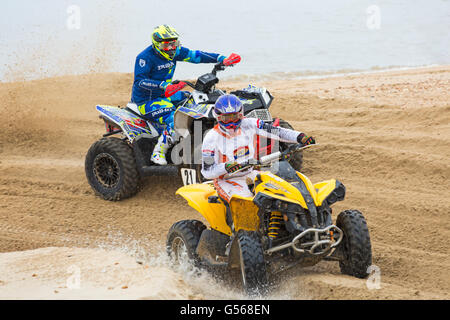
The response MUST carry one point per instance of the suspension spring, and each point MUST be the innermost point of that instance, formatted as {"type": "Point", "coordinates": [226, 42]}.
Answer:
{"type": "Point", "coordinates": [276, 219]}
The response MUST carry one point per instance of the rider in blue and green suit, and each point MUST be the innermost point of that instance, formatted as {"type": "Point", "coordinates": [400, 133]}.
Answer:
{"type": "Point", "coordinates": [153, 90]}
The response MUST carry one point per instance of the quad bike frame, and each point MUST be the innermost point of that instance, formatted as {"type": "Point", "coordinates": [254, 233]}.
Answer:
{"type": "Point", "coordinates": [288, 221]}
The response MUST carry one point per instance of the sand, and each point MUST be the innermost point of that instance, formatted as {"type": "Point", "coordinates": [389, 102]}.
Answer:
{"type": "Point", "coordinates": [385, 135]}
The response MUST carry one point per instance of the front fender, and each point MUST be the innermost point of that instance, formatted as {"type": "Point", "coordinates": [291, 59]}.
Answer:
{"type": "Point", "coordinates": [197, 197]}
{"type": "Point", "coordinates": [330, 190]}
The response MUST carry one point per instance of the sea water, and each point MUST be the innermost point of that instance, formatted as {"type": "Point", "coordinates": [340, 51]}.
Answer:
{"type": "Point", "coordinates": [276, 39]}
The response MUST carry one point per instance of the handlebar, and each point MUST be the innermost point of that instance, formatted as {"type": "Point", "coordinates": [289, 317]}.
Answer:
{"type": "Point", "coordinates": [190, 84]}
{"type": "Point", "coordinates": [217, 67]}
{"type": "Point", "coordinates": [277, 155]}
{"type": "Point", "coordinates": [269, 159]}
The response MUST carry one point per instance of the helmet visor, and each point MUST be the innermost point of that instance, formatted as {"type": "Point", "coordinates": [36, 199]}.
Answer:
{"type": "Point", "coordinates": [168, 45]}
{"type": "Point", "coordinates": [230, 117]}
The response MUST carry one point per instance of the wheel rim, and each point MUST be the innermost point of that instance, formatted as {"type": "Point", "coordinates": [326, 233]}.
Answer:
{"type": "Point", "coordinates": [179, 250]}
{"type": "Point", "coordinates": [106, 170]}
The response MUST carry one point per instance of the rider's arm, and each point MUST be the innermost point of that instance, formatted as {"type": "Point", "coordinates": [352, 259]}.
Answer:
{"type": "Point", "coordinates": [211, 168]}
{"type": "Point", "coordinates": [277, 133]}
{"type": "Point", "coordinates": [142, 70]}
{"type": "Point", "coordinates": [197, 56]}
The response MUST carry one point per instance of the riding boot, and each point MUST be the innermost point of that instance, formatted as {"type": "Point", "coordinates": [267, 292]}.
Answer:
{"type": "Point", "coordinates": [160, 150]}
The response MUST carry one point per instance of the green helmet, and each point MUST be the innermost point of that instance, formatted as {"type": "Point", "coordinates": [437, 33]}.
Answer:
{"type": "Point", "coordinates": [165, 41]}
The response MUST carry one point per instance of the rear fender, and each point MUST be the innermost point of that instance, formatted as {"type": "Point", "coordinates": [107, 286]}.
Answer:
{"type": "Point", "coordinates": [197, 197]}
{"type": "Point", "coordinates": [187, 113]}
{"type": "Point", "coordinates": [131, 125]}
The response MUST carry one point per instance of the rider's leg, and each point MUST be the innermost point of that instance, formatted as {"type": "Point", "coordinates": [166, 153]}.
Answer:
{"type": "Point", "coordinates": [226, 188]}
{"type": "Point", "coordinates": [161, 147]}
{"type": "Point", "coordinates": [178, 96]}
{"type": "Point", "coordinates": [160, 110]}
{"type": "Point", "coordinates": [165, 140]}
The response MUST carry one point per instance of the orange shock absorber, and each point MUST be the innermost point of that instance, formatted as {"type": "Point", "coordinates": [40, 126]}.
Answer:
{"type": "Point", "coordinates": [276, 218]}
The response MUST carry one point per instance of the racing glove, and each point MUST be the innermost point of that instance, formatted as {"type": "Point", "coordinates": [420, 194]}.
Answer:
{"type": "Point", "coordinates": [171, 89]}
{"type": "Point", "coordinates": [304, 139]}
{"type": "Point", "coordinates": [232, 59]}
{"type": "Point", "coordinates": [234, 166]}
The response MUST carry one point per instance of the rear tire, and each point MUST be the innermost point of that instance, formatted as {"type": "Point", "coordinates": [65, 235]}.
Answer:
{"type": "Point", "coordinates": [182, 241]}
{"type": "Point", "coordinates": [296, 159]}
{"type": "Point", "coordinates": [252, 263]}
{"type": "Point", "coordinates": [355, 246]}
{"type": "Point", "coordinates": [111, 171]}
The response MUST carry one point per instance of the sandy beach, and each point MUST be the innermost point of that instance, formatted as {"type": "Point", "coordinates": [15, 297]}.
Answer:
{"type": "Point", "coordinates": [385, 135]}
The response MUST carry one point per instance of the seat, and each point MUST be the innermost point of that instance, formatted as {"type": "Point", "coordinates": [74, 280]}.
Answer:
{"type": "Point", "coordinates": [133, 107]}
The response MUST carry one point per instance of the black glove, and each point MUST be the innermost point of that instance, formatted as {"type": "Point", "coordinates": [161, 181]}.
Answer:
{"type": "Point", "coordinates": [304, 139]}
{"type": "Point", "coordinates": [234, 166]}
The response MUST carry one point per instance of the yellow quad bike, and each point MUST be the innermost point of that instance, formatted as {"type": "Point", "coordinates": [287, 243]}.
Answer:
{"type": "Point", "coordinates": [286, 223]}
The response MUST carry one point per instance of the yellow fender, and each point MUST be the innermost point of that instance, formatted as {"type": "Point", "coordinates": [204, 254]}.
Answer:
{"type": "Point", "coordinates": [197, 197]}
{"type": "Point", "coordinates": [324, 189]}
{"type": "Point", "coordinates": [281, 189]}
{"type": "Point", "coordinates": [245, 213]}
{"type": "Point", "coordinates": [318, 191]}
{"type": "Point", "coordinates": [287, 192]}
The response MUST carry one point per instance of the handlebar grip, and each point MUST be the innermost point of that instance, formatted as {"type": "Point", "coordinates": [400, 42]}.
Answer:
{"type": "Point", "coordinates": [269, 158]}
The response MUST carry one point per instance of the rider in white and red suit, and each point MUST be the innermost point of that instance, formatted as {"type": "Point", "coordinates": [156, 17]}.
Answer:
{"type": "Point", "coordinates": [231, 144]}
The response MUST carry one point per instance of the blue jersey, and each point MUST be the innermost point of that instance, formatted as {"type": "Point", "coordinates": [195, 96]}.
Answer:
{"type": "Point", "coordinates": [153, 72]}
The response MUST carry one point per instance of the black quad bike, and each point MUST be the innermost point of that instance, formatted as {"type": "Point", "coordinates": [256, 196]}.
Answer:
{"type": "Point", "coordinates": [116, 163]}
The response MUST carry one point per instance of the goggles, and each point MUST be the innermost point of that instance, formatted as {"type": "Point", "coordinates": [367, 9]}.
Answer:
{"type": "Point", "coordinates": [169, 45]}
{"type": "Point", "coordinates": [229, 117]}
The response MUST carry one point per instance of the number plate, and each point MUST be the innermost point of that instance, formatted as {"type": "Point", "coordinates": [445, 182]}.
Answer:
{"type": "Point", "coordinates": [189, 176]}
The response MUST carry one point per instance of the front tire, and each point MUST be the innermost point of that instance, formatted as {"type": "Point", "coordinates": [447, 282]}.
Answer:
{"type": "Point", "coordinates": [252, 263]}
{"type": "Point", "coordinates": [182, 241]}
{"type": "Point", "coordinates": [111, 170]}
{"type": "Point", "coordinates": [355, 246]}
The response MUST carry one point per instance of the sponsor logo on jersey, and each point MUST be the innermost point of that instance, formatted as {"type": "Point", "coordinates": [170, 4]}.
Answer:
{"type": "Point", "coordinates": [165, 66]}
{"type": "Point", "coordinates": [147, 84]}
{"type": "Point", "coordinates": [208, 153]}
{"type": "Point", "coordinates": [241, 152]}
{"type": "Point", "coordinates": [142, 63]}
{"type": "Point", "coordinates": [260, 124]}
{"type": "Point", "coordinates": [161, 112]}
